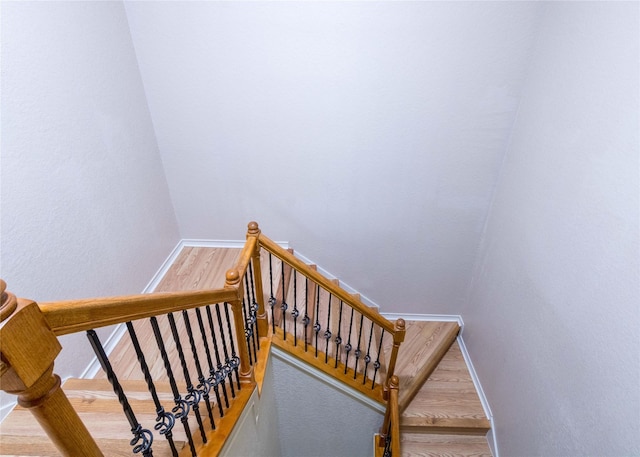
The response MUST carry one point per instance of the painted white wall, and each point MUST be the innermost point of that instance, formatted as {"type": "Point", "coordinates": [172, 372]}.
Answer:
{"type": "Point", "coordinates": [366, 133]}
{"type": "Point", "coordinates": [85, 205]}
{"type": "Point", "coordinates": [553, 314]}
{"type": "Point", "coordinates": [306, 404]}
{"type": "Point", "coordinates": [256, 433]}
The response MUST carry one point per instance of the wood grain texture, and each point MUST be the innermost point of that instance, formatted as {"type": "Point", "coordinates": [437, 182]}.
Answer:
{"type": "Point", "coordinates": [425, 345]}
{"type": "Point", "coordinates": [447, 401]}
{"type": "Point", "coordinates": [429, 445]}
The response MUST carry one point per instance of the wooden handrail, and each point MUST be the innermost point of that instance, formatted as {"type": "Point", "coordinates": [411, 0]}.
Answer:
{"type": "Point", "coordinates": [29, 349]}
{"type": "Point", "coordinates": [38, 388]}
{"type": "Point", "coordinates": [80, 315]}
{"type": "Point", "coordinates": [319, 279]}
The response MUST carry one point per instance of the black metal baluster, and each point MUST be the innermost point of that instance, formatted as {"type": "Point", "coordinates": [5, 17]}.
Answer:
{"type": "Point", "coordinates": [193, 395]}
{"type": "Point", "coordinates": [164, 420]}
{"type": "Point", "coordinates": [295, 313]}
{"type": "Point", "coordinates": [316, 326]}
{"type": "Point", "coordinates": [348, 347]}
{"type": "Point", "coordinates": [254, 304]}
{"type": "Point", "coordinates": [305, 319]}
{"type": "Point", "coordinates": [376, 364]}
{"type": "Point", "coordinates": [213, 381]}
{"type": "Point", "coordinates": [338, 339]}
{"type": "Point", "coordinates": [181, 410]}
{"type": "Point", "coordinates": [358, 352]}
{"type": "Point", "coordinates": [272, 299]}
{"type": "Point", "coordinates": [204, 386]}
{"type": "Point", "coordinates": [235, 360]}
{"type": "Point", "coordinates": [284, 305]}
{"type": "Point", "coordinates": [387, 443]}
{"type": "Point", "coordinates": [327, 333]}
{"type": "Point", "coordinates": [142, 438]}
{"type": "Point", "coordinates": [248, 330]}
{"type": "Point", "coordinates": [228, 362]}
{"type": "Point", "coordinates": [252, 317]}
{"type": "Point", "coordinates": [219, 374]}
{"type": "Point", "coordinates": [367, 358]}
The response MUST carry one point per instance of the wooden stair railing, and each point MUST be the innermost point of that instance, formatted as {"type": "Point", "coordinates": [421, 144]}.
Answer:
{"type": "Point", "coordinates": [29, 331]}
{"type": "Point", "coordinates": [389, 436]}
{"type": "Point", "coordinates": [336, 342]}
{"type": "Point", "coordinates": [29, 344]}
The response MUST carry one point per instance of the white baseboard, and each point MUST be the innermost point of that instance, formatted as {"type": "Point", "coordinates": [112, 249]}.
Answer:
{"type": "Point", "coordinates": [94, 366]}
{"type": "Point", "coordinates": [114, 338]}
{"type": "Point", "coordinates": [491, 436]}
{"type": "Point", "coordinates": [366, 300]}
{"type": "Point", "coordinates": [426, 317]}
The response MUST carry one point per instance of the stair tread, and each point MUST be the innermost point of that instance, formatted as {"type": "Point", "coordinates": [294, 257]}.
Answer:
{"type": "Point", "coordinates": [41, 446]}
{"type": "Point", "coordinates": [441, 445]}
{"type": "Point", "coordinates": [447, 402]}
{"type": "Point", "coordinates": [425, 344]}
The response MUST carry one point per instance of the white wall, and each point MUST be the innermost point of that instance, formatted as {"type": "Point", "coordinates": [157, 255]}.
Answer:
{"type": "Point", "coordinates": [306, 404]}
{"type": "Point", "coordinates": [85, 205]}
{"type": "Point", "coordinates": [553, 315]}
{"type": "Point", "coordinates": [365, 133]}
{"type": "Point", "coordinates": [256, 432]}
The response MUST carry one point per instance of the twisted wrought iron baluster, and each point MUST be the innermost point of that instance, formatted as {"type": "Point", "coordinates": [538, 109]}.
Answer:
{"type": "Point", "coordinates": [348, 347]}
{"type": "Point", "coordinates": [295, 313]}
{"type": "Point", "coordinates": [272, 299]}
{"type": "Point", "coordinates": [164, 419]}
{"type": "Point", "coordinates": [204, 386]}
{"type": "Point", "coordinates": [376, 364]}
{"type": "Point", "coordinates": [387, 443]}
{"type": "Point", "coordinates": [193, 395]}
{"type": "Point", "coordinates": [305, 319]}
{"type": "Point", "coordinates": [235, 360]}
{"type": "Point", "coordinates": [284, 305]}
{"type": "Point", "coordinates": [142, 438]}
{"type": "Point", "coordinates": [228, 362]}
{"type": "Point", "coordinates": [338, 339]}
{"type": "Point", "coordinates": [254, 304]}
{"type": "Point", "coordinates": [213, 382]}
{"type": "Point", "coordinates": [367, 358]}
{"type": "Point", "coordinates": [327, 333]}
{"type": "Point", "coordinates": [358, 352]}
{"type": "Point", "coordinates": [248, 331]}
{"type": "Point", "coordinates": [251, 317]}
{"type": "Point", "coordinates": [219, 375]}
{"type": "Point", "coordinates": [182, 408]}
{"type": "Point", "coordinates": [316, 326]}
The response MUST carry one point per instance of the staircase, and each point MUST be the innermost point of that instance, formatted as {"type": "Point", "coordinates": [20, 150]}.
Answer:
{"type": "Point", "coordinates": [441, 414]}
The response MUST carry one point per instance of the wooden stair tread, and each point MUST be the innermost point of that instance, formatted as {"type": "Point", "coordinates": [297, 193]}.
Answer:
{"type": "Point", "coordinates": [436, 445]}
{"type": "Point", "coordinates": [426, 342]}
{"type": "Point", "coordinates": [41, 446]}
{"type": "Point", "coordinates": [447, 400]}
{"type": "Point", "coordinates": [22, 435]}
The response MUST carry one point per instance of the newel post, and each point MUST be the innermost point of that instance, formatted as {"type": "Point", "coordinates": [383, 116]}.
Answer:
{"type": "Point", "coordinates": [28, 348]}
{"type": "Point", "coordinates": [398, 338]}
{"type": "Point", "coordinates": [233, 281]}
{"type": "Point", "coordinates": [263, 320]}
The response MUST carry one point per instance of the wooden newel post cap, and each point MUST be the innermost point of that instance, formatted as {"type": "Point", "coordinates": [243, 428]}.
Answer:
{"type": "Point", "coordinates": [232, 277]}
{"type": "Point", "coordinates": [400, 324]}
{"type": "Point", "coordinates": [253, 228]}
{"type": "Point", "coordinates": [8, 301]}
{"type": "Point", "coordinates": [394, 382]}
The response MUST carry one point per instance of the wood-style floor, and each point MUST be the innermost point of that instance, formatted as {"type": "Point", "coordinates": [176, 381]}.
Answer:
{"type": "Point", "coordinates": [444, 416]}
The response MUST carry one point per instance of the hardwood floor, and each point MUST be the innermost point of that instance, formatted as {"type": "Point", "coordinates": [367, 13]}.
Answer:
{"type": "Point", "coordinates": [443, 416]}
